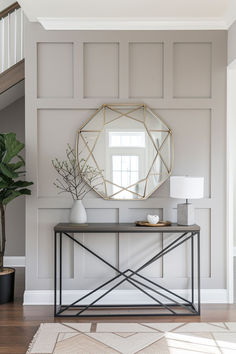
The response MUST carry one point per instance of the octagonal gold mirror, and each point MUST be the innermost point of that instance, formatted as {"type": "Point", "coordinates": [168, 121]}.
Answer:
{"type": "Point", "coordinates": [130, 146]}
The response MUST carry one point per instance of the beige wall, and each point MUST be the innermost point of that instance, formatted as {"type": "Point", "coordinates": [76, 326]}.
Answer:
{"type": "Point", "coordinates": [179, 74]}
{"type": "Point", "coordinates": [12, 119]}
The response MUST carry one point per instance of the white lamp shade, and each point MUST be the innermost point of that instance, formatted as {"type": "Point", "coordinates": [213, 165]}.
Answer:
{"type": "Point", "coordinates": [184, 187]}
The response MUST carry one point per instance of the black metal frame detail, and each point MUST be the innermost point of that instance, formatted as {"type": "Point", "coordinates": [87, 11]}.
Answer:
{"type": "Point", "coordinates": [191, 307]}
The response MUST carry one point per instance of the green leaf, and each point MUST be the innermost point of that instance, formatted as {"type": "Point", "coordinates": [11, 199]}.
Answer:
{"type": "Point", "coordinates": [4, 193]}
{"type": "Point", "coordinates": [13, 147]}
{"type": "Point", "coordinates": [15, 166]}
{"type": "Point", "coordinates": [11, 185]}
{"type": "Point", "coordinates": [12, 196]}
{"type": "Point", "coordinates": [22, 184]}
{"type": "Point", "coordinates": [15, 194]}
{"type": "Point", "coordinates": [7, 171]}
{"type": "Point", "coordinates": [3, 184]}
{"type": "Point", "coordinates": [25, 191]}
{"type": "Point", "coordinates": [2, 143]}
{"type": "Point", "coordinates": [4, 178]}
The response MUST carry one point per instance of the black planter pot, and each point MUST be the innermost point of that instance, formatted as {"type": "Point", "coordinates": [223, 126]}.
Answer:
{"type": "Point", "coordinates": [7, 283]}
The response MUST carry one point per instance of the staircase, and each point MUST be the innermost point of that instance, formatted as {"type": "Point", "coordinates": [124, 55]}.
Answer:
{"type": "Point", "coordinates": [11, 47]}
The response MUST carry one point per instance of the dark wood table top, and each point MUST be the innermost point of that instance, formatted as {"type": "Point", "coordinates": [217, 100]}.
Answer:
{"type": "Point", "coordinates": [122, 227]}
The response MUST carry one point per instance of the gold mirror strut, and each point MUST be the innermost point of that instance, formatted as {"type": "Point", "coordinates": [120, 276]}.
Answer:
{"type": "Point", "coordinates": [131, 146]}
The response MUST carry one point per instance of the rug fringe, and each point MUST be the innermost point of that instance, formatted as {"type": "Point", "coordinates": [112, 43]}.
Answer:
{"type": "Point", "coordinates": [33, 340]}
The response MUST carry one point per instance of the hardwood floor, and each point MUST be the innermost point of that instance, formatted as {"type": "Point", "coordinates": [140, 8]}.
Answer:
{"type": "Point", "coordinates": [19, 323]}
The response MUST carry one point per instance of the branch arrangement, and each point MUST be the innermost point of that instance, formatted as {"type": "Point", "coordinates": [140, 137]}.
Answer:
{"type": "Point", "coordinates": [73, 179]}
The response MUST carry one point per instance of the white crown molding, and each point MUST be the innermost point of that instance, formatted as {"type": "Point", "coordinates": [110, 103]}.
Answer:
{"type": "Point", "coordinates": [230, 21]}
{"type": "Point", "coordinates": [230, 14]}
{"type": "Point", "coordinates": [46, 297]}
{"type": "Point", "coordinates": [132, 23]}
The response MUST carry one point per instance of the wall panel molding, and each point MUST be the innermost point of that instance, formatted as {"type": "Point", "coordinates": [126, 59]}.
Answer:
{"type": "Point", "coordinates": [55, 70]}
{"type": "Point", "coordinates": [158, 103]}
{"type": "Point", "coordinates": [46, 297]}
{"type": "Point", "coordinates": [196, 114]}
{"type": "Point", "coordinates": [146, 70]}
{"type": "Point", "coordinates": [101, 70]}
{"type": "Point", "coordinates": [192, 73]}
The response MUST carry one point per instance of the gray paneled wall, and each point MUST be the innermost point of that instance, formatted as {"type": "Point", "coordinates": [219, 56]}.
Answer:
{"type": "Point", "coordinates": [179, 74]}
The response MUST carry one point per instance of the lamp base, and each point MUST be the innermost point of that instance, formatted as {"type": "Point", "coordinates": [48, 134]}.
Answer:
{"type": "Point", "coordinates": [185, 214]}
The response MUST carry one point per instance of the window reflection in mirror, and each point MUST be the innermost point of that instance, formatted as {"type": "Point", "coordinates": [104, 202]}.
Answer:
{"type": "Point", "coordinates": [127, 154]}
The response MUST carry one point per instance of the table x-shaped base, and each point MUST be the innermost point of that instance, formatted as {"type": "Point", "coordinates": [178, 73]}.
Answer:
{"type": "Point", "coordinates": [172, 303]}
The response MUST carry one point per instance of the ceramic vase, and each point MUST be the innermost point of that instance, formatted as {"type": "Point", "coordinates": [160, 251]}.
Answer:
{"type": "Point", "coordinates": [78, 213]}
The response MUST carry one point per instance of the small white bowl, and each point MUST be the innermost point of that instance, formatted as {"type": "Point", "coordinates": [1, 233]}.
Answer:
{"type": "Point", "coordinates": [153, 219]}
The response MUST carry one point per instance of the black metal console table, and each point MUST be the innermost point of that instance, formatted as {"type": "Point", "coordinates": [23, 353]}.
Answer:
{"type": "Point", "coordinates": [165, 300]}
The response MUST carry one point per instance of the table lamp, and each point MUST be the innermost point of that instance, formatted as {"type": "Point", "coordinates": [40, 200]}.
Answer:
{"type": "Point", "coordinates": [184, 187]}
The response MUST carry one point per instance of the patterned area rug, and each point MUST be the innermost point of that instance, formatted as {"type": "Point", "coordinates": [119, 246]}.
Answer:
{"type": "Point", "coordinates": [130, 338]}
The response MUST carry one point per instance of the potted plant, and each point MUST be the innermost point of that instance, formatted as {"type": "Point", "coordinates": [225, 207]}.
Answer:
{"type": "Point", "coordinates": [73, 174]}
{"type": "Point", "coordinates": [11, 187]}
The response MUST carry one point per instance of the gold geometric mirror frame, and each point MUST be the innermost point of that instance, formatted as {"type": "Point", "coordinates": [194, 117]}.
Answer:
{"type": "Point", "coordinates": [131, 147]}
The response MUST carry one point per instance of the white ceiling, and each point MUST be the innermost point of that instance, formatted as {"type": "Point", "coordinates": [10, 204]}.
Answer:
{"type": "Point", "coordinates": [132, 14]}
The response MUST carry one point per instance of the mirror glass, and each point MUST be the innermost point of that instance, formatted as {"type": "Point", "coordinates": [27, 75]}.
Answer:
{"type": "Point", "coordinates": [130, 146]}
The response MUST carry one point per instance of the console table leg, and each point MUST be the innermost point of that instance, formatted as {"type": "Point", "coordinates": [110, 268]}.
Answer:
{"type": "Point", "coordinates": [199, 276]}
{"type": "Point", "coordinates": [60, 271]}
{"type": "Point", "coordinates": [55, 273]}
{"type": "Point", "coordinates": [192, 268]}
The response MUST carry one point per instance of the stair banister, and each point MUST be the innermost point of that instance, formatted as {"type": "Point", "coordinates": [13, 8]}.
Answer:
{"type": "Point", "coordinates": [11, 34]}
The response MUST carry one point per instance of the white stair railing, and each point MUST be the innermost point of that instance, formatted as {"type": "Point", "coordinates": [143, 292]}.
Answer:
{"type": "Point", "coordinates": [11, 37]}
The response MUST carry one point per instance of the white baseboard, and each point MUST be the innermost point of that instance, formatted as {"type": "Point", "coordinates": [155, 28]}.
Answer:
{"type": "Point", "coordinates": [46, 297]}
{"type": "Point", "coordinates": [12, 261]}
